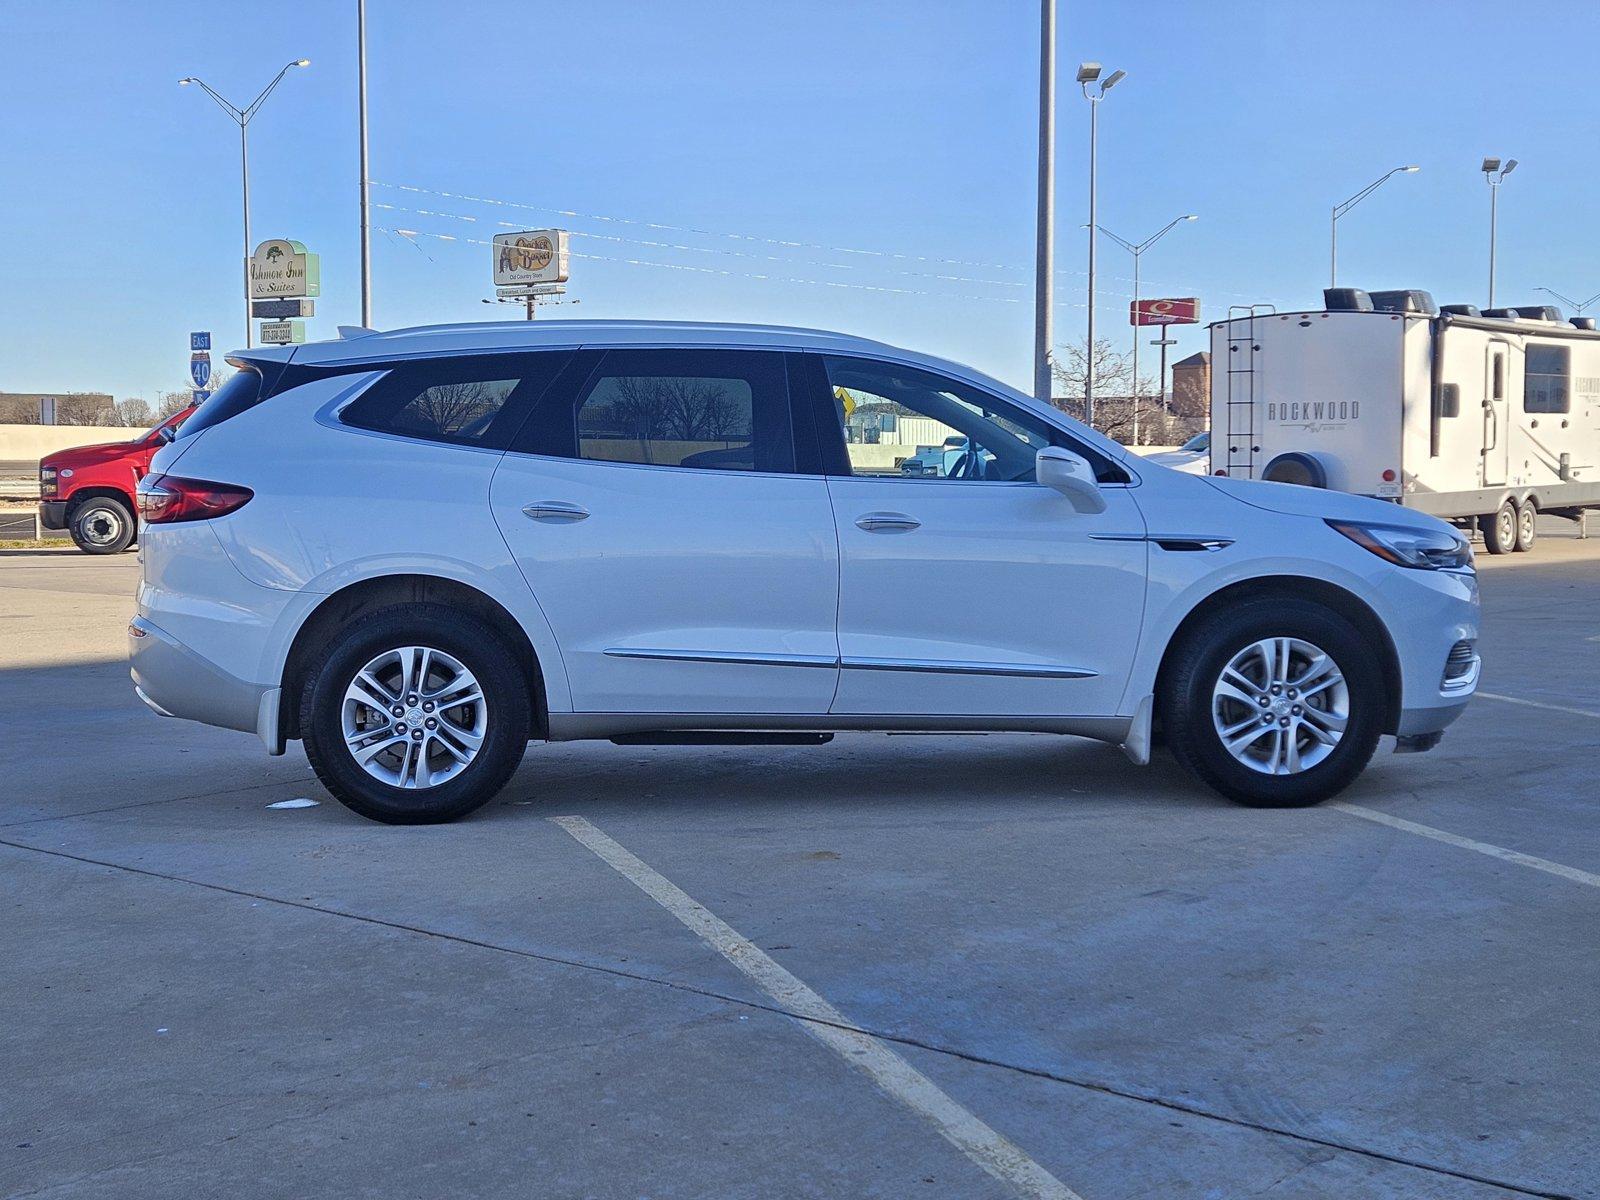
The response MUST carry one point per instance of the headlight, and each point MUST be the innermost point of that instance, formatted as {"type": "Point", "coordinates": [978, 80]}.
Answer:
{"type": "Point", "coordinates": [47, 481]}
{"type": "Point", "coordinates": [1420, 549]}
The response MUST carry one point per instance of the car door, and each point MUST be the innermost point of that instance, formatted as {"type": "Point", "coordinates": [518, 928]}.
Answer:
{"type": "Point", "coordinates": [977, 591]}
{"type": "Point", "coordinates": [684, 565]}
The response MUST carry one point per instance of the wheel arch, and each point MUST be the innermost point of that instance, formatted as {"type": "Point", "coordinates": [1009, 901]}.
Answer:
{"type": "Point", "coordinates": [1341, 600]}
{"type": "Point", "coordinates": [384, 591]}
{"type": "Point", "coordinates": [99, 492]}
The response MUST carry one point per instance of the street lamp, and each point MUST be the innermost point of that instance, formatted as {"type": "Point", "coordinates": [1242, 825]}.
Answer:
{"type": "Point", "coordinates": [1494, 175]}
{"type": "Point", "coordinates": [242, 117]}
{"type": "Point", "coordinates": [1339, 210]}
{"type": "Point", "coordinates": [1094, 91]}
{"type": "Point", "coordinates": [1137, 249]}
{"type": "Point", "coordinates": [1577, 309]}
{"type": "Point", "coordinates": [1044, 282]}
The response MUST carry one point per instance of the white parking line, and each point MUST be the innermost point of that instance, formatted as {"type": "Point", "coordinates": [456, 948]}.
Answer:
{"type": "Point", "coordinates": [1562, 708]}
{"type": "Point", "coordinates": [1453, 839]}
{"type": "Point", "coordinates": [898, 1078]}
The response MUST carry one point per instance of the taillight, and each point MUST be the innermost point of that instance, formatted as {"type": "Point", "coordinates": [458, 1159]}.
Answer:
{"type": "Point", "coordinates": [165, 499]}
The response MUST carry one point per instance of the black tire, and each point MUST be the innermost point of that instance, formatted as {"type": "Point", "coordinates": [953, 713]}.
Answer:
{"type": "Point", "coordinates": [1527, 526]}
{"type": "Point", "coordinates": [1500, 529]}
{"type": "Point", "coordinates": [477, 647]}
{"type": "Point", "coordinates": [102, 525]}
{"type": "Point", "coordinates": [1196, 664]}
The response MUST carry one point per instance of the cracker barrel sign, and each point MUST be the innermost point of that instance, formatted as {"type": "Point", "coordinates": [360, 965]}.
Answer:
{"type": "Point", "coordinates": [1184, 311]}
{"type": "Point", "coordinates": [281, 268]}
{"type": "Point", "coordinates": [536, 256]}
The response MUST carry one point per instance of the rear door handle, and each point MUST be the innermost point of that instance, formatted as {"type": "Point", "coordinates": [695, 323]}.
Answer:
{"type": "Point", "coordinates": [554, 510]}
{"type": "Point", "coordinates": [886, 522]}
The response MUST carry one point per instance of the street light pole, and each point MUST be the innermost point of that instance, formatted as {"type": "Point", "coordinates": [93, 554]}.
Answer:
{"type": "Point", "coordinates": [1339, 210]}
{"type": "Point", "coordinates": [1137, 249]}
{"type": "Point", "coordinates": [1044, 276]}
{"type": "Point", "coordinates": [1089, 74]}
{"type": "Point", "coordinates": [366, 230]}
{"type": "Point", "coordinates": [241, 117]}
{"type": "Point", "coordinates": [1494, 175]}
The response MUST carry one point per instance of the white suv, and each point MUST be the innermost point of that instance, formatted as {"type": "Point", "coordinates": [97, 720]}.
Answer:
{"type": "Point", "coordinates": [417, 551]}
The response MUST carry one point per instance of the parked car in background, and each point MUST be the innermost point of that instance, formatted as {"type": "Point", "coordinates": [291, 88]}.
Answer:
{"type": "Point", "coordinates": [1192, 458]}
{"type": "Point", "coordinates": [89, 490]}
{"type": "Point", "coordinates": [417, 551]}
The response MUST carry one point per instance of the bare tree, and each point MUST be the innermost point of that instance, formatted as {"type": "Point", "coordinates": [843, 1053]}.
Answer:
{"type": "Point", "coordinates": [132, 413]}
{"type": "Point", "coordinates": [1114, 404]}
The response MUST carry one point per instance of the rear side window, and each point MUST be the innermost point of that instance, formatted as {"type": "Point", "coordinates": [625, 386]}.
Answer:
{"type": "Point", "coordinates": [719, 410]}
{"type": "Point", "coordinates": [242, 391]}
{"type": "Point", "coordinates": [1545, 383]}
{"type": "Point", "coordinates": [473, 400]}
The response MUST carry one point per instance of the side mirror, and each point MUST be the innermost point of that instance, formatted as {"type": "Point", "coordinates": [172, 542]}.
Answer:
{"type": "Point", "coordinates": [167, 433]}
{"type": "Point", "coordinates": [1072, 476]}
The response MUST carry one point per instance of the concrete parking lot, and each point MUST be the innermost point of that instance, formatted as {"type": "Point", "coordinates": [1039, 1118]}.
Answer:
{"type": "Point", "coordinates": [984, 966]}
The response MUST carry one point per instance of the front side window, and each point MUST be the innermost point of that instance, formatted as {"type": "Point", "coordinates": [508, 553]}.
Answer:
{"type": "Point", "coordinates": [719, 410]}
{"type": "Point", "coordinates": [469, 400]}
{"type": "Point", "coordinates": [1545, 387]}
{"type": "Point", "coordinates": [907, 423]}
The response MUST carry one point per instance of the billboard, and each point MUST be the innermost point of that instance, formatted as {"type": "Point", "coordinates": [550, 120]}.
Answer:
{"type": "Point", "coordinates": [280, 268]}
{"type": "Point", "coordinates": [1181, 311]}
{"type": "Point", "coordinates": [535, 256]}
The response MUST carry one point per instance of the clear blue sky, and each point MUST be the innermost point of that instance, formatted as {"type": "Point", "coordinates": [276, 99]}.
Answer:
{"type": "Point", "coordinates": [906, 128]}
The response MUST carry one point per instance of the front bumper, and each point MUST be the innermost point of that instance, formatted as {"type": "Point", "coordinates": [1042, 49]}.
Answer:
{"type": "Point", "coordinates": [1430, 613]}
{"type": "Point", "coordinates": [53, 514]}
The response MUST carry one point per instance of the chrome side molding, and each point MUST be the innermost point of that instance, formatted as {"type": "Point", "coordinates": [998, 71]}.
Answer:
{"type": "Point", "coordinates": [924, 665]}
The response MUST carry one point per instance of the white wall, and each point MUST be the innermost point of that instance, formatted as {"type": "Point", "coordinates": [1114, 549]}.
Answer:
{"type": "Point", "coordinates": [20, 443]}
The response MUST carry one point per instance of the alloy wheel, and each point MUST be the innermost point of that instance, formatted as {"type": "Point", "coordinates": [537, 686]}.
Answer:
{"type": "Point", "coordinates": [1280, 706]}
{"type": "Point", "coordinates": [414, 717]}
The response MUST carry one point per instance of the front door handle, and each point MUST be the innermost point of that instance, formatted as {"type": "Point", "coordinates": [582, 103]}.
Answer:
{"type": "Point", "coordinates": [554, 510]}
{"type": "Point", "coordinates": [886, 522]}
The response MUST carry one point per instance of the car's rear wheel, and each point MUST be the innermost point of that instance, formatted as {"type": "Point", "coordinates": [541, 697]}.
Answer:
{"type": "Point", "coordinates": [1275, 704]}
{"type": "Point", "coordinates": [1500, 529]}
{"type": "Point", "coordinates": [101, 525]}
{"type": "Point", "coordinates": [415, 714]}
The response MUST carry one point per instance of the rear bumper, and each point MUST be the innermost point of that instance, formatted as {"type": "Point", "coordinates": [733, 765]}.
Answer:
{"type": "Point", "coordinates": [176, 682]}
{"type": "Point", "coordinates": [53, 514]}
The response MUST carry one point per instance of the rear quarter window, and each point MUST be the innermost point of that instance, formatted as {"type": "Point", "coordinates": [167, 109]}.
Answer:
{"type": "Point", "coordinates": [241, 392]}
{"type": "Point", "coordinates": [471, 400]}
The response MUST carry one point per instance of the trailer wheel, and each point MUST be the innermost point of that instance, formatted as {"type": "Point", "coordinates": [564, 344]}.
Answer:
{"type": "Point", "coordinates": [1527, 525]}
{"type": "Point", "coordinates": [1500, 530]}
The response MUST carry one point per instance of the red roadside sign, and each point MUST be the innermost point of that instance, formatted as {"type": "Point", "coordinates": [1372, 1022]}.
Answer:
{"type": "Point", "coordinates": [1182, 311]}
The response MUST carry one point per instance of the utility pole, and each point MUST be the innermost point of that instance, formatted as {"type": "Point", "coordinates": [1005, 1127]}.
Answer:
{"type": "Point", "coordinates": [366, 228]}
{"type": "Point", "coordinates": [1044, 276]}
{"type": "Point", "coordinates": [1339, 210]}
{"type": "Point", "coordinates": [1137, 249]}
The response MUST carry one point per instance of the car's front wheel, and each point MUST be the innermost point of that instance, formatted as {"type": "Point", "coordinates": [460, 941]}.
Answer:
{"type": "Point", "coordinates": [415, 714]}
{"type": "Point", "coordinates": [101, 525]}
{"type": "Point", "coordinates": [1275, 704]}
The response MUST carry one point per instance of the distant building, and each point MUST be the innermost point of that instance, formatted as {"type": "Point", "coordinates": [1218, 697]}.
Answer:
{"type": "Point", "coordinates": [55, 408]}
{"type": "Point", "coordinates": [1191, 385]}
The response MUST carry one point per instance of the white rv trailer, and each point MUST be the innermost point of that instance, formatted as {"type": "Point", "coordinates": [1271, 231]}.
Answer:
{"type": "Point", "coordinates": [1486, 418]}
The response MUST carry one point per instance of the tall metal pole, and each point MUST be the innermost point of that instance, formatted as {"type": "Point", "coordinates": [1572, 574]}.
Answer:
{"type": "Point", "coordinates": [1088, 365]}
{"type": "Point", "coordinates": [1044, 277]}
{"type": "Point", "coordinates": [1333, 249]}
{"type": "Point", "coordinates": [1136, 256]}
{"type": "Point", "coordinates": [244, 169]}
{"type": "Point", "coordinates": [1494, 218]}
{"type": "Point", "coordinates": [366, 230]}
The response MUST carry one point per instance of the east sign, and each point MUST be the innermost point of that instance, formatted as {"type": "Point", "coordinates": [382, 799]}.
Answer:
{"type": "Point", "coordinates": [281, 269]}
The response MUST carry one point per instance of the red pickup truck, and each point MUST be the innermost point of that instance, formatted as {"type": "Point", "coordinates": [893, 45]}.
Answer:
{"type": "Point", "coordinates": [88, 490]}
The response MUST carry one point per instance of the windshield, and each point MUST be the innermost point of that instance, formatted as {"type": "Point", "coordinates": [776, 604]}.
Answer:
{"type": "Point", "coordinates": [1198, 443]}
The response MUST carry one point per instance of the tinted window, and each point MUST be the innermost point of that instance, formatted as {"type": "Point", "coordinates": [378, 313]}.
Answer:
{"type": "Point", "coordinates": [1545, 386]}
{"type": "Point", "coordinates": [242, 391]}
{"type": "Point", "coordinates": [474, 400]}
{"type": "Point", "coordinates": [905, 423]}
{"type": "Point", "coordinates": [722, 410]}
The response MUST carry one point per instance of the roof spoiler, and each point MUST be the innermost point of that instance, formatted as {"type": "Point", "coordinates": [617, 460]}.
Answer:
{"type": "Point", "coordinates": [350, 332]}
